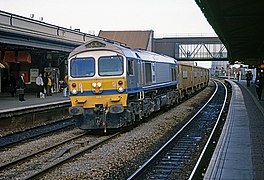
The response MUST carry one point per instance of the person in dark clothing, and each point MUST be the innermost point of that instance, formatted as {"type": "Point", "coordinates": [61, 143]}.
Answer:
{"type": "Point", "coordinates": [12, 85]}
{"type": "Point", "coordinates": [45, 82]}
{"type": "Point", "coordinates": [238, 74]}
{"type": "Point", "coordinates": [248, 77]}
{"type": "Point", "coordinates": [259, 84]}
{"type": "Point", "coordinates": [21, 86]}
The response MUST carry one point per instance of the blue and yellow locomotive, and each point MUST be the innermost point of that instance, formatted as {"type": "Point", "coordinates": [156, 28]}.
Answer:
{"type": "Point", "coordinates": [112, 86]}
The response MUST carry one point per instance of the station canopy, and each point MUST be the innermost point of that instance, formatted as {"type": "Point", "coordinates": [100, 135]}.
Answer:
{"type": "Point", "coordinates": [239, 25]}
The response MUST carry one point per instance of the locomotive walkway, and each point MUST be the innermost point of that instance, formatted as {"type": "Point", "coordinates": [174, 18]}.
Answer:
{"type": "Point", "coordinates": [239, 153]}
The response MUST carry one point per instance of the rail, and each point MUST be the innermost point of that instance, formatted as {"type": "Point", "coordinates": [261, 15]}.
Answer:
{"type": "Point", "coordinates": [178, 156]}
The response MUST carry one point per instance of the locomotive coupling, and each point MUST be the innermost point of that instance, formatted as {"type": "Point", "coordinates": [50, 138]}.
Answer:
{"type": "Point", "coordinates": [99, 109]}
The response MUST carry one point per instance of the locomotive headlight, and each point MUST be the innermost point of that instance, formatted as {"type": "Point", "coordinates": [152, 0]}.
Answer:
{"type": "Point", "coordinates": [94, 84]}
{"type": "Point", "coordinates": [99, 84]}
{"type": "Point", "coordinates": [120, 89]}
{"type": "Point", "coordinates": [74, 91]}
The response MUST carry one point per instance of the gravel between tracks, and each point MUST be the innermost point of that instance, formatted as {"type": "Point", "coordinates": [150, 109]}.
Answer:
{"type": "Point", "coordinates": [123, 155]}
{"type": "Point", "coordinates": [10, 154]}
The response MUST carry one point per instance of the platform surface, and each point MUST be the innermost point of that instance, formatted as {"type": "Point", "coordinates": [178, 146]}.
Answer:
{"type": "Point", "coordinates": [239, 153]}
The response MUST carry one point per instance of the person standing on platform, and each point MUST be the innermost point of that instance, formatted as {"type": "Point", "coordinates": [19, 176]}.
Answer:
{"type": "Point", "coordinates": [238, 74]}
{"type": "Point", "coordinates": [21, 86]}
{"type": "Point", "coordinates": [259, 84]}
{"type": "Point", "coordinates": [65, 88]}
{"type": "Point", "coordinates": [248, 78]}
{"type": "Point", "coordinates": [45, 82]}
{"type": "Point", "coordinates": [251, 76]}
{"type": "Point", "coordinates": [49, 84]}
{"type": "Point", "coordinates": [39, 83]}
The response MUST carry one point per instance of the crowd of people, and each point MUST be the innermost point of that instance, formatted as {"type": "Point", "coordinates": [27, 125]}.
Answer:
{"type": "Point", "coordinates": [44, 85]}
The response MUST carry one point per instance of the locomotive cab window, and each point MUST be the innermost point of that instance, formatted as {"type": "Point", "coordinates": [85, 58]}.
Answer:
{"type": "Point", "coordinates": [82, 67]}
{"type": "Point", "coordinates": [148, 73]}
{"type": "Point", "coordinates": [174, 73]}
{"type": "Point", "coordinates": [131, 70]}
{"type": "Point", "coordinates": [111, 66]}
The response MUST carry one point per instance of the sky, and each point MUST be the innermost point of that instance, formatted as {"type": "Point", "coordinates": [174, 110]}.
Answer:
{"type": "Point", "coordinates": [167, 18]}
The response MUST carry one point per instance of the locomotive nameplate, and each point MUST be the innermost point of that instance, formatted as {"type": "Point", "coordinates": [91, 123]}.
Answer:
{"type": "Point", "coordinates": [95, 44]}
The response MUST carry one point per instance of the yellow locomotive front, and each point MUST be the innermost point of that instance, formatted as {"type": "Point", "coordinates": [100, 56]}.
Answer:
{"type": "Point", "coordinates": [97, 84]}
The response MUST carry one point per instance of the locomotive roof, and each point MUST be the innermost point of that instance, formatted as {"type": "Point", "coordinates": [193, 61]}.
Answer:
{"type": "Point", "coordinates": [97, 44]}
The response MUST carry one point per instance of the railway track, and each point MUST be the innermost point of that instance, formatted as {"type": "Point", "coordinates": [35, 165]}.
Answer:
{"type": "Point", "coordinates": [180, 157]}
{"type": "Point", "coordinates": [71, 156]}
{"type": "Point", "coordinates": [38, 163]}
{"type": "Point", "coordinates": [16, 138]}
{"type": "Point", "coordinates": [27, 157]}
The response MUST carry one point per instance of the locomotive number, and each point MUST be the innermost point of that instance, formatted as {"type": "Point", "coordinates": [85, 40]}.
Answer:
{"type": "Point", "coordinates": [98, 97]}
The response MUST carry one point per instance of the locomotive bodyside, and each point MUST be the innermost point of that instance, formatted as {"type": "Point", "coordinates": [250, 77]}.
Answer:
{"type": "Point", "coordinates": [112, 86]}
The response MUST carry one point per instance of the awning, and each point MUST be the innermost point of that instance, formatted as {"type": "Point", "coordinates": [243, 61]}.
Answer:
{"type": "Point", "coordinates": [24, 56]}
{"type": "Point", "coordinates": [9, 56]}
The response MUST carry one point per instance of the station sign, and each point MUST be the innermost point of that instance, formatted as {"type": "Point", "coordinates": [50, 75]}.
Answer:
{"type": "Point", "coordinates": [33, 74]}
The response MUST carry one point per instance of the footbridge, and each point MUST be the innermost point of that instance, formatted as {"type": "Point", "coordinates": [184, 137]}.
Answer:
{"type": "Point", "coordinates": [192, 48]}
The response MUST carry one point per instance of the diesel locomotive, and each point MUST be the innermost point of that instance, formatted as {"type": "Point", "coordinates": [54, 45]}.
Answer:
{"type": "Point", "coordinates": [112, 86]}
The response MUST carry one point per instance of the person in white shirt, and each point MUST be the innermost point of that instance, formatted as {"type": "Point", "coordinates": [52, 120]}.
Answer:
{"type": "Point", "coordinates": [40, 84]}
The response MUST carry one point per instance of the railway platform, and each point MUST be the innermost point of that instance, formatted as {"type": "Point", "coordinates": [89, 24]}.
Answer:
{"type": "Point", "coordinates": [9, 103]}
{"type": "Point", "coordinates": [239, 153]}
{"type": "Point", "coordinates": [18, 115]}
